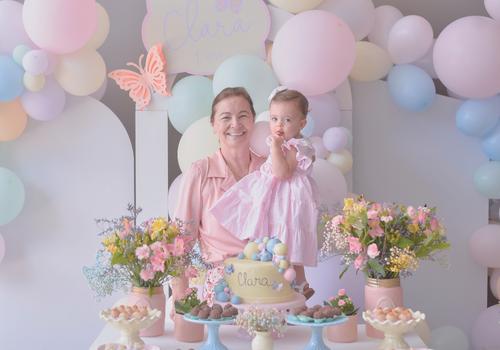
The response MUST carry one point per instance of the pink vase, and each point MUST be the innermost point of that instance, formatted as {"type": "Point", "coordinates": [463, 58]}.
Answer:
{"type": "Point", "coordinates": [141, 296]}
{"type": "Point", "coordinates": [188, 332]}
{"type": "Point", "coordinates": [178, 285]}
{"type": "Point", "coordinates": [381, 293]}
{"type": "Point", "coordinates": [346, 332]}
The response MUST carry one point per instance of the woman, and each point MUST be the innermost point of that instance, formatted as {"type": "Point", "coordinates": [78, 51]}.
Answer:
{"type": "Point", "coordinates": [232, 119]}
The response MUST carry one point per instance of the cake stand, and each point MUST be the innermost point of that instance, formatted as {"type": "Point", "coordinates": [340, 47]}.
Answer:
{"type": "Point", "coordinates": [394, 330]}
{"type": "Point", "coordinates": [213, 341]}
{"type": "Point", "coordinates": [130, 328]}
{"type": "Point", "coordinates": [316, 341]}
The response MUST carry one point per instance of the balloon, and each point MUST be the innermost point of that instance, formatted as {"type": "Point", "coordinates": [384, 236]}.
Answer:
{"type": "Point", "coordinates": [487, 179]}
{"type": "Point", "coordinates": [11, 196]}
{"type": "Point", "coordinates": [385, 17]}
{"type": "Point", "coordinates": [478, 117]}
{"type": "Point", "coordinates": [36, 62]}
{"type": "Point", "coordinates": [335, 139]}
{"type": "Point", "coordinates": [491, 144]}
{"type": "Point", "coordinates": [358, 14]}
{"type": "Point", "coordinates": [466, 56]}
{"type": "Point", "coordinates": [493, 8]}
{"type": "Point", "coordinates": [173, 195]}
{"type": "Point", "coordinates": [295, 6]}
{"type": "Point", "coordinates": [19, 52]}
{"type": "Point", "coordinates": [485, 333]}
{"type": "Point", "coordinates": [304, 61]}
{"type": "Point", "coordinates": [309, 128]}
{"type": "Point", "coordinates": [81, 73]}
{"type": "Point", "coordinates": [33, 83]}
{"type": "Point", "coordinates": [342, 160]}
{"type": "Point", "coordinates": [409, 39]}
{"type": "Point", "coordinates": [319, 147]}
{"type": "Point", "coordinates": [426, 62]}
{"type": "Point", "coordinates": [411, 87]}
{"type": "Point", "coordinates": [99, 94]}
{"type": "Point", "coordinates": [325, 111]}
{"type": "Point", "coordinates": [12, 31]}
{"type": "Point", "coordinates": [102, 31]}
{"type": "Point", "coordinates": [495, 283]}
{"type": "Point", "coordinates": [2, 248]}
{"type": "Point", "coordinates": [60, 26]}
{"type": "Point", "coordinates": [332, 186]}
{"type": "Point", "coordinates": [449, 338]}
{"type": "Point", "coordinates": [197, 142]}
{"type": "Point", "coordinates": [372, 62]}
{"type": "Point", "coordinates": [484, 245]}
{"type": "Point", "coordinates": [11, 79]}
{"type": "Point", "coordinates": [258, 142]}
{"type": "Point", "coordinates": [263, 117]}
{"type": "Point", "coordinates": [191, 100]}
{"type": "Point", "coordinates": [46, 104]}
{"type": "Point", "coordinates": [252, 73]}
{"type": "Point", "coordinates": [13, 120]}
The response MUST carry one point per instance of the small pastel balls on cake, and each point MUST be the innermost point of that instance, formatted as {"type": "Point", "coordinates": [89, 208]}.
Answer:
{"type": "Point", "coordinates": [280, 249]}
{"type": "Point", "coordinates": [250, 249]}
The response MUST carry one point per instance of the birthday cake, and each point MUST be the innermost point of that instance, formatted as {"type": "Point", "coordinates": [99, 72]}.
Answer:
{"type": "Point", "coordinates": [261, 274]}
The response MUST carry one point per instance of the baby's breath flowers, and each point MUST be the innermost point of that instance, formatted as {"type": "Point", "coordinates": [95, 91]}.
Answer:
{"type": "Point", "coordinates": [262, 320]}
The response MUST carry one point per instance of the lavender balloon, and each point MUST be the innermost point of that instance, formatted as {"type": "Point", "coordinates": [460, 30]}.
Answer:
{"type": "Point", "coordinates": [485, 334]}
{"type": "Point", "coordinates": [12, 31]}
{"type": "Point", "coordinates": [325, 111]}
{"type": "Point", "coordinates": [45, 104]}
{"type": "Point", "coordinates": [36, 62]}
{"type": "Point", "coordinates": [335, 139]}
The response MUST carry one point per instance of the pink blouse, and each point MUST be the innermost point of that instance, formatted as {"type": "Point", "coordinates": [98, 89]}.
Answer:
{"type": "Point", "coordinates": [202, 185]}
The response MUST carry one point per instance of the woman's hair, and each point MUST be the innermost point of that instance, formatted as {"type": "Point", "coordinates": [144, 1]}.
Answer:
{"type": "Point", "coordinates": [231, 92]}
{"type": "Point", "coordinates": [292, 95]}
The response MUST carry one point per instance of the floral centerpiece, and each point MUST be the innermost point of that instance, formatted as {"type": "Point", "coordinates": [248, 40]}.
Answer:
{"type": "Point", "coordinates": [346, 332]}
{"type": "Point", "coordinates": [190, 300]}
{"type": "Point", "coordinates": [343, 302]}
{"type": "Point", "coordinates": [384, 241]}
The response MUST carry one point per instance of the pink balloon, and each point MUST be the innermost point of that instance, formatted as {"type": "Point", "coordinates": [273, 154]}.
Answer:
{"type": "Point", "coordinates": [289, 274]}
{"type": "Point", "coordinates": [332, 186]}
{"type": "Point", "coordinates": [173, 195]}
{"type": "Point", "coordinates": [493, 8]}
{"type": "Point", "coordinates": [60, 26]}
{"type": "Point", "coordinates": [335, 139]}
{"type": "Point", "coordinates": [484, 246]}
{"type": "Point", "coordinates": [495, 283]}
{"type": "Point", "coordinates": [45, 104]}
{"type": "Point", "coordinates": [466, 56]}
{"type": "Point", "coordinates": [319, 147]}
{"type": "Point", "coordinates": [12, 31]}
{"type": "Point", "coordinates": [313, 52]}
{"type": "Point", "coordinates": [485, 334]}
{"type": "Point", "coordinates": [2, 248]}
{"type": "Point", "coordinates": [258, 141]}
{"type": "Point", "coordinates": [409, 39]}
{"type": "Point", "coordinates": [326, 112]}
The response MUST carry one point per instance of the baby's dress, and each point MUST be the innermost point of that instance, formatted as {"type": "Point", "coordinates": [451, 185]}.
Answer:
{"type": "Point", "coordinates": [262, 205]}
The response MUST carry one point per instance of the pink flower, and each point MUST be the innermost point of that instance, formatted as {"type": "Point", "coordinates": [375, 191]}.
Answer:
{"type": "Point", "coordinates": [330, 299]}
{"type": "Point", "coordinates": [358, 263]}
{"type": "Point", "coordinates": [410, 211]}
{"type": "Point", "coordinates": [354, 245]}
{"type": "Point", "coordinates": [147, 274]}
{"type": "Point", "coordinates": [422, 214]}
{"type": "Point", "coordinates": [434, 224]}
{"type": "Point", "coordinates": [372, 251]}
{"type": "Point", "coordinates": [372, 214]}
{"type": "Point", "coordinates": [341, 292]}
{"type": "Point", "coordinates": [337, 220]}
{"type": "Point", "coordinates": [191, 272]}
{"type": "Point", "coordinates": [142, 252]}
{"type": "Point", "coordinates": [341, 302]}
{"type": "Point", "coordinates": [376, 231]}
{"type": "Point", "coordinates": [158, 263]}
{"type": "Point", "coordinates": [177, 249]}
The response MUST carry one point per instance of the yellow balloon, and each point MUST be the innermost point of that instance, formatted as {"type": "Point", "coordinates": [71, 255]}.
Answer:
{"type": "Point", "coordinates": [342, 160]}
{"type": "Point", "coordinates": [102, 29]}
{"type": "Point", "coordinates": [372, 62]}
{"type": "Point", "coordinates": [197, 142]}
{"type": "Point", "coordinates": [296, 6]}
{"type": "Point", "coordinates": [81, 73]}
{"type": "Point", "coordinates": [33, 83]}
{"type": "Point", "coordinates": [13, 120]}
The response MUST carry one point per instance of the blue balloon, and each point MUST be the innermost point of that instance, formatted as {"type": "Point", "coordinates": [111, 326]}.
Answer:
{"type": "Point", "coordinates": [487, 179]}
{"type": "Point", "coordinates": [478, 117]}
{"type": "Point", "coordinates": [191, 100]}
{"type": "Point", "coordinates": [491, 144]}
{"type": "Point", "coordinates": [411, 87]}
{"type": "Point", "coordinates": [309, 128]}
{"type": "Point", "coordinates": [11, 79]}
{"type": "Point", "coordinates": [11, 196]}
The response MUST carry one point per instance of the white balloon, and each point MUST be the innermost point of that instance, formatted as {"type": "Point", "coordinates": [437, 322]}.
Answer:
{"type": "Point", "coordinates": [409, 39]}
{"type": "Point", "coordinates": [263, 117]}
{"type": "Point", "coordinates": [173, 195]}
{"type": "Point", "coordinates": [332, 185]}
{"type": "Point", "coordinates": [449, 338]}
{"type": "Point", "coordinates": [426, 62]}
{"type": "Point", "coordinates": [197, 142]}
{"type": "Point", "coordinates": [385, 17]}
{"type": "Point", "coordinates": [495, 283]}
{"type": "Point", "coordinates": [258, 143]}
{"type": "Point", "coordinates": [493, 8]}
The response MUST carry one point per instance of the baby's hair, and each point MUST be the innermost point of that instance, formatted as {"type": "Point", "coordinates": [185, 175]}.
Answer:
{"type": "Point", "coordinates": [231, 92]}
{"type": "Point", "coordinates": [292, 95]}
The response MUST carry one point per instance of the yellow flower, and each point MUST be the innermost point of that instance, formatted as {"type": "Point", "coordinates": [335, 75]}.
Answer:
{"type": "Point", "coordinates": [413, 228]}
{"type": "Point", "coordinates": [111, 248]}
{"type": "Point", "coordinates": [159, 224]}
{"type": "Point", "coordinates": [348, 203]}
{"type": "Point", "coordinates": [402, 259]}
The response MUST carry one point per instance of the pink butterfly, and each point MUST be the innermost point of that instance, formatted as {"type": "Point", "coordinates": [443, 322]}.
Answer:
{"type": "Point", "coordinates": [234, 5]}
{"type": "Point", "coordinates": [151, 77]}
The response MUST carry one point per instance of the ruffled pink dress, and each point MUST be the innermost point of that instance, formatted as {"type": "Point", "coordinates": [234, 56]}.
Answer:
{"type": "Point", "coordinates": [262, 205]}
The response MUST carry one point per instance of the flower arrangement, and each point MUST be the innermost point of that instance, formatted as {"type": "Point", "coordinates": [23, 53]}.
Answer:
{"type": "Point", "coordinates": [343, 302]}
{"type": "Point", "coordinates": [144, 255]}
{"type": "Point", "coordinates": [188, 302]}
{"type": "Point", "coordinates": [262, 320]}
{"type": "Point", "coordinates": [384, 241]}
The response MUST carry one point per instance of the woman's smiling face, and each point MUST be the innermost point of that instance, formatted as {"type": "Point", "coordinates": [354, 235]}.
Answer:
{"type": "Point", "coordinates": [233, 122]}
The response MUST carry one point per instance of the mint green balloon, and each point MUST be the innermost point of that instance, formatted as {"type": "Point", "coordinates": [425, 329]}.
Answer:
{"type": "Point", "coordinates": [487, 179]}
{"type": "Point", "coordinates": [191, 100]}
{"type": "Point", "coordinates": [250, 72]}
{"type": "Point", "coordinates": [19, 52]}
{"type": "Point", "coordinates": [11, 196]}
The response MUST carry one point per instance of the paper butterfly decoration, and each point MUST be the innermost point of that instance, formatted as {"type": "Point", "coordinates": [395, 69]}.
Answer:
{"type": "Point", "coordinates": [234, 5]}
{"type": "Point", "coordinates": [151, 77]}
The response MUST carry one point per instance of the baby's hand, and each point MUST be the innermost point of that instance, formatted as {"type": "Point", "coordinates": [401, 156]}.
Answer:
{"type": "Point", "coordinates": [277, 140]}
